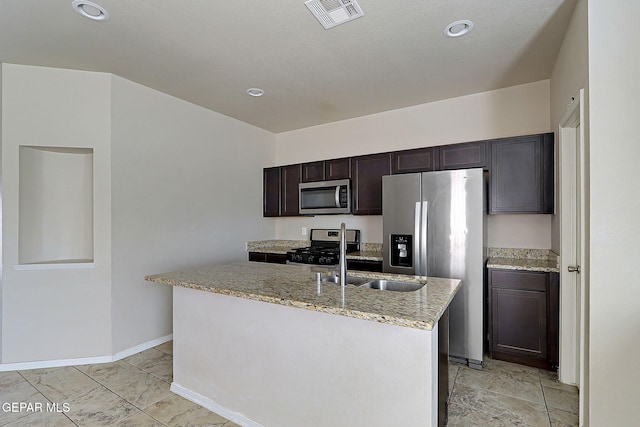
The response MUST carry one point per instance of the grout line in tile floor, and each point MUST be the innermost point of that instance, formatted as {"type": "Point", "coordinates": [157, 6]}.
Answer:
{"type": "Point", "coordinates": [501, 395]}
{"type": "Point", "coordinates": [163, 409]}
{"type": "Point", "coordinates": [545, 400]}
{"type": "Point", "coordinates": [506, 394]}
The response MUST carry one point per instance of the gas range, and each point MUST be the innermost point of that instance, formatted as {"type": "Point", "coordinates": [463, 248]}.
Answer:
{"type": "Point", "coordinates": [325, 247]}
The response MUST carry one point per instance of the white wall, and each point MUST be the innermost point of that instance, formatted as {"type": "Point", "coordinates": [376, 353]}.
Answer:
{"type": "Point", "coordinates": [55, 314]}
{"type": "Point", "coordinates": [614, 107]}
{"type": "Point", "coordinates": [1, 292]}
{"type": "Point", "coordinates": [186, 191]}
{"type": "Point", "coordinates": [570, 74]}
{"type": "Point", "coordinates": [518, 110]}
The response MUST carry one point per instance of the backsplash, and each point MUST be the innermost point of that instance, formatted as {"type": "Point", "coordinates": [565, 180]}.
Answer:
{"type": "Point", "coordinates": [258, 245]}
{"type": "Point", "coordinates": [371, 247]}
{"type": "Point", "coordinates": [546, 254]}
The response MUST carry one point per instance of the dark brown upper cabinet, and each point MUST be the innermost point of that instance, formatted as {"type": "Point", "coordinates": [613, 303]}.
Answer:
{"type": "Point", "coordinates": [366, 175]}
{"type": "Point", "coordinates": [271, 191]}
{"type": "Point", "coordinates": [522, 175]}
{"type": "Point", "coordinates": [312, 172]}
{"type": "Point", "coordinates": [418, 160]}
{"type": "Point", "coordinates": [337, 169]}
{"type": "Point", "coordinates": [463, 156]}
{"type": "Point", "coordinates": [290, 177]}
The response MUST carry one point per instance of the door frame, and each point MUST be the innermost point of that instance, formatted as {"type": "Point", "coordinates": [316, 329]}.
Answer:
{"type": "Point", "coordinates": [573, 306]}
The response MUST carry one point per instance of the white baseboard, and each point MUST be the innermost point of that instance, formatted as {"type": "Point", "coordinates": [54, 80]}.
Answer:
{"type": "Point", "coordinates": [141, 347]}
{"type": "Point", "coordinates": [20, 366]}
{"type": "Point", "coordinates": [213, 406]}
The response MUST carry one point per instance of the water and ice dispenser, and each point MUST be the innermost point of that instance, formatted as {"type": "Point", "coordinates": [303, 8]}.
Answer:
{"type": "Point", "coordinates": [401, 250]}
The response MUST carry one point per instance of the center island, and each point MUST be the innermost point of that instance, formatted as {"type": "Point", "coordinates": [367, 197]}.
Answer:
{"type": "Point", "coordinates": [266, 345]}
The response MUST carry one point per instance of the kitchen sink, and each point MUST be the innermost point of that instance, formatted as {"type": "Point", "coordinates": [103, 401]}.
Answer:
{"type": "Point", "coordinates": [351, 280]}
{"type": "Point", "coordinates": [392, 285]}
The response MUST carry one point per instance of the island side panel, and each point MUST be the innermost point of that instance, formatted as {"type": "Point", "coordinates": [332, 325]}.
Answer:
{"type": "Point", "coordinates": [272, 365]}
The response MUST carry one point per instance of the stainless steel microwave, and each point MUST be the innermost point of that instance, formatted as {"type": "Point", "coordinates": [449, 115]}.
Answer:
{"type": "Point", "coordinates": [325, 197]}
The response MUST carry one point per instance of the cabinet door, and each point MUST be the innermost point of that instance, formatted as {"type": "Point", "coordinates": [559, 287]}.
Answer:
{"type": "Point", "coordinates": [553, 319]}
{"type": "Point", "coordinates": [276, 258]}
{"type": "Point", "coordinates": [464, 156]}
{"type": "Point", "coordinates": [271, 192]}
{"type": "Point", "coordinates": [523, 317]}
{"type": "Point", "coordinates": [337, 169]}
{"type": "Point", "coordinates": [519, 322]}
{"type": "Point", "coordinates": [289, 180]}
{"type": "Point", "coordinates": [522, 175]}
{"type": "Point", "coordinates": [313, 171]}
{"type": "Point", "coordinates": [268, 257]}
{"type": "Point", "coordinates": [364, 265]}
{"type": "Point", "coordinates": [367, 172]}
{"type": "Point", "coordinates": [419, 160]}
{"type": "Point", "coordinates": [257, 257]}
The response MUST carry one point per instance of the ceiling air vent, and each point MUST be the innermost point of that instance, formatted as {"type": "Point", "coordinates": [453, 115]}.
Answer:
{"type": "Point", "coordinates": [334, 12]}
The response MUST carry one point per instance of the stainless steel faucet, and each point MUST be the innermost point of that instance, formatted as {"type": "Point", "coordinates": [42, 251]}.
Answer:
{"type": "Point", "coordinates": [343, 254]}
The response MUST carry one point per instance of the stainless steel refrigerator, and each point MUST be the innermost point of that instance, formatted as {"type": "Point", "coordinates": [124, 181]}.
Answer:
{"type": "Point", "coordinates": [434, 225]}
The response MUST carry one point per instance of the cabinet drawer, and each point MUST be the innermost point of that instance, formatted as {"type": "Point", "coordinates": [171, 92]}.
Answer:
{"type": "Point", "coordinates": [523, 280]}
{"type": "Point", "coordinates": [268, 257]}
{"type": "Point", "coordinates": [257, 256]}
{"type": "Point", "coordinates": [364, 265]}
{"type": "Point", "coordinates": [276, 258]}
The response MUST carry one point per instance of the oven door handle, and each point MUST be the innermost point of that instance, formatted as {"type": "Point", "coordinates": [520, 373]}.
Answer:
{"type": "Point", "coordinates": [337, 196]}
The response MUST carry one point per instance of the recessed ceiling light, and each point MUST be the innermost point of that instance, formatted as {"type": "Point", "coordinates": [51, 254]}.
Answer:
{"type": "Point", "coordinates": [254, 91]}
{"type": "Point", "coordinates": [458, 28]}
{"type": "Point", "coordinates": [90, 10]}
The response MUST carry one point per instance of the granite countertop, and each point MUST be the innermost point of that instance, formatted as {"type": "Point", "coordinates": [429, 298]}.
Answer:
{"type": "Point", "coordinates": [295, 286]}
{"type": "Point", "coordinates": [542, 260]}
{"type": "Point", "coordinates": [368, 251]}
{"type": "Point", "coordinates": [366, 255]}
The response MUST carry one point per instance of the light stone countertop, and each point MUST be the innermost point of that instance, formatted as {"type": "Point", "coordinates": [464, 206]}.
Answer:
{"type": "Point", "coordinates": [368, 252]}
{"type": "Point", "coordinates": [542, 260]}
{"type": "Point", "coordinates": [526, 264]}
{"type": "Point", "coordinates": [366, 255]}
{"type": "Point", "coordinates": [295, 286]}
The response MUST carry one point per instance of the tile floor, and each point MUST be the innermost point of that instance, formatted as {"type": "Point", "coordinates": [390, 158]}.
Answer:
{"type": "Point", "coordinates": [505, 394]}
{"type": "Point", "coordinates": [135, 392]}
{"type": "Point", "coordinates": [131, 392]}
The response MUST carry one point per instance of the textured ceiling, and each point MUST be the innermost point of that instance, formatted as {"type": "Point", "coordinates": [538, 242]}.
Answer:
{"type": "Point", "coordinates": [210, 51]}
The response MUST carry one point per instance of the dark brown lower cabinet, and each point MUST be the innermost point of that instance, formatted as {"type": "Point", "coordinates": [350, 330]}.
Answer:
{"type": "Point", "coordinates": [364, 265]}
{"type": "Point", "coordinates": [268, 257]}
{"type": "Point", "coordinates": [524, 317]}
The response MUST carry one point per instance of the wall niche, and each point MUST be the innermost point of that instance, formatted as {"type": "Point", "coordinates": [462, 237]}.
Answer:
{"type": "Point", "coordinates": [55, 225]}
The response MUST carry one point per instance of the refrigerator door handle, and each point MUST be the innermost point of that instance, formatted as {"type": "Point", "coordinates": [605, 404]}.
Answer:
{"type": "Point", "coordinates": [423, 239]}
{"type": "Point", "coordinates": [417, 248]}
